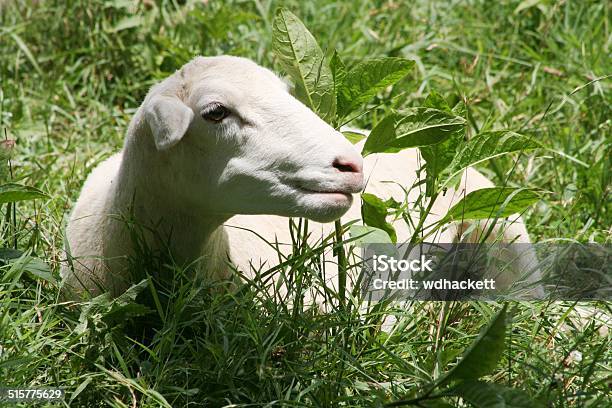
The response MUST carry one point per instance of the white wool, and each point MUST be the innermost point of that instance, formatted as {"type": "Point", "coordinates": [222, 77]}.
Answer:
{"type": "Point", "coordinates": [208, 188]}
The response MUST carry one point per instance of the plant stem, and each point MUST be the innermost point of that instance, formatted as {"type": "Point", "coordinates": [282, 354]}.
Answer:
{"type": "Point", "coordinates": [342, 263]}
{"type": "Point", "coordinates": [422, 218]}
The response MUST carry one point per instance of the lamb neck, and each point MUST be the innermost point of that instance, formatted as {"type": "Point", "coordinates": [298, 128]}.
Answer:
{"type": "Point", "coordinates": [188, 234]}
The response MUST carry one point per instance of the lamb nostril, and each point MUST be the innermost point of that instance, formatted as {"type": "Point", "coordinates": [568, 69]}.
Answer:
{"type": "Point", "coordinates": [347, 166]}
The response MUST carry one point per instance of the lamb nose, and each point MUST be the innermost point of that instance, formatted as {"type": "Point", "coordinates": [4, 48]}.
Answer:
{"type": "Point", "coordinates": [346, 165]}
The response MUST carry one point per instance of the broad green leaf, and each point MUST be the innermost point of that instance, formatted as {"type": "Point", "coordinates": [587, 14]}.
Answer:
{"type": "Point", "coordinates": [439, 156]}
{"type": "Point", "coordinates": [302, 58]}
{"type": "Point", "coordinates": [106, 310]}
{"type": "Point", "coordinates": [353, 137]}
{"type": "Point", "coordinates": [413, 127]}
{"type": "Point", "coordinates": [460, 109]}
{"type": "Point", "coordinates": [436, 101]}
{"type": "Point", "coordinates": [482, 356]}
{"type": "Point", "coordinates": [488, 395]}
{"type": "Point", "coordinates": [368, 78]}
{"type": "Point", "coordinates": [23, 262]}
{"type": "Point", "coordinates": [338, 70]}
{"type": "Point", "coordinates": [9, 253]}
{"type": "Point", "coordinates": [374, 213]}
{"type": "Point", "coordinates": [426, 126]}
{"type": "Point", "coordinates": [492, 202]}
{"type": "Point", "coordinates": [381, 137]}
{"type": "Point", "coordinates": [38, 269]}
{"type": "Point", "coordinates": [368, 235]}
{"type": "Point", "coordinates": [10, 193]}
{"type": "Point", "coordinates": [392, 203]}
{"type": "Point", "coordinates": [487, 145]}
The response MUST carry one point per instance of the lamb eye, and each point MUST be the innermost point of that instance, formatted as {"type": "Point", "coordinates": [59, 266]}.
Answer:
{"type": "Point", "coordinates": [216, 113]}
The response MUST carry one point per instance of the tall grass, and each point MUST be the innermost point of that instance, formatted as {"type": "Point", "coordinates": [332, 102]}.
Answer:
{"type": "Point", "coordinates": [71, 75]}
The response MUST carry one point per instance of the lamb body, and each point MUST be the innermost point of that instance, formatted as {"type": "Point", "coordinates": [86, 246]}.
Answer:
{"type": "Point", "coordinates": [210, 191]}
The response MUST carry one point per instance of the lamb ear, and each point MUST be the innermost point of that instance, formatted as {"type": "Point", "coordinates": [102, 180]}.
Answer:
{"type": "Point", "coordinates": [169, 118]}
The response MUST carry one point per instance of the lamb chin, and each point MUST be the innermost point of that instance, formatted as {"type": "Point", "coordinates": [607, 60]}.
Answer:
{"type": "Point", "coordinates": [330, 207]}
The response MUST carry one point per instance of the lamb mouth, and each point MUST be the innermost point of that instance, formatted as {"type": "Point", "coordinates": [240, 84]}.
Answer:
{"type": "Point", "coordinates": [311, 191]}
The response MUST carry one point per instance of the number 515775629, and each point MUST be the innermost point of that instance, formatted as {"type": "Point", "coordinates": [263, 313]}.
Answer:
{"type": "Point", "coordinates": [30, 394]}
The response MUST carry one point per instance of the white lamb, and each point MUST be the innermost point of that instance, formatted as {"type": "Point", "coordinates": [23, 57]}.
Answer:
{"type": "Point", "coordinates": [213, 150]}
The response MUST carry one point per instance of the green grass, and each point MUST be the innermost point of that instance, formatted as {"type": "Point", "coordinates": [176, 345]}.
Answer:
{"type": "Point", "coordinates": [71, 75]}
